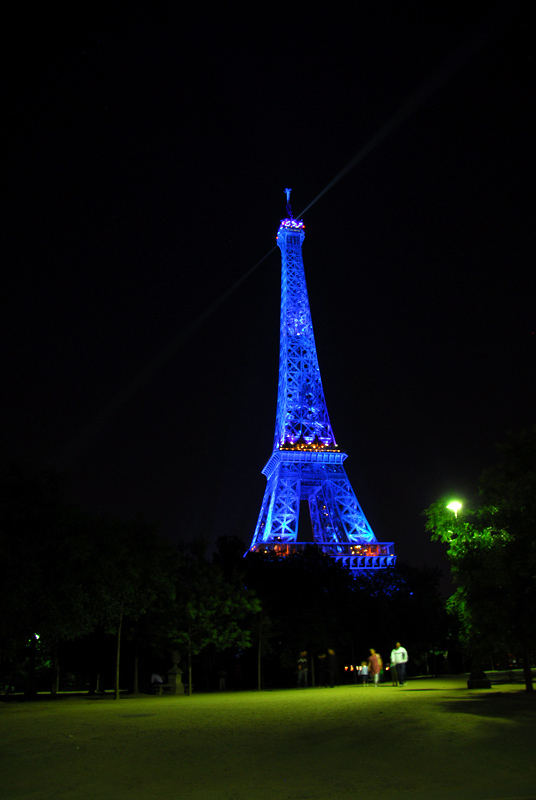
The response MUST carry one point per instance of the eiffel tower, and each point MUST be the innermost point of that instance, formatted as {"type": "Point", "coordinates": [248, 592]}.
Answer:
{"type": "Point", "coordinates": [305, 471]}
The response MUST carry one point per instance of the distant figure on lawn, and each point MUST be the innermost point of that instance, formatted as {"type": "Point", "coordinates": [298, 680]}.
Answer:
{"type": "Point", "coordinates": [302, 668]}
{"type": "Point", "coordinates": [364, 673]}
{"type": "Point", "coordinates": [399, 656]}
{"type": "Point", "coordinates": [394, 673]}
{"type": "Point", "coordinates": [322, 670]}
{"type": "Point", "coordinates": [333, 668]}
{"type": "Point", "coordinates": [376, 664]}
{"type": "Point", "coordinates": [156, 678]}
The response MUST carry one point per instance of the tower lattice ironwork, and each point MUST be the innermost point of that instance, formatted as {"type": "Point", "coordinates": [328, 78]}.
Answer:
{"type": "Point", "coordinates": [306, 469]}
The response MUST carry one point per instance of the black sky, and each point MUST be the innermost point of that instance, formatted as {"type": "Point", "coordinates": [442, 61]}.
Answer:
{"type": "Point", "coordinates": [147, 153]}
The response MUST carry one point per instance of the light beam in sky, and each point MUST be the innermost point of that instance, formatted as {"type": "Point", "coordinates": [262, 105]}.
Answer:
{"type": "Point", "coordinates": [453, 65]}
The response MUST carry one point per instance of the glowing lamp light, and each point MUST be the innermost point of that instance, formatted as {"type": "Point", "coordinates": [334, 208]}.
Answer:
{"type": "Point", "coordinates": [455, 506]}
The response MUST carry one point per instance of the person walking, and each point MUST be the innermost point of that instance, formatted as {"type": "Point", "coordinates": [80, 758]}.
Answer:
{"type": "Point", "coordinates": [322, 670]}
{"type": "Point", "coordinates": [303, 669]}
{"type": "Point", "coordinates": [375, 661]}
{"type": "Point", "coordinates": [333, 668]}
{"type": "Point", "coordinates": [399, 657]}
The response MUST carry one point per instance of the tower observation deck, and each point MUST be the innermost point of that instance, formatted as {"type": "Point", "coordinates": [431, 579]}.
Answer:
{"type": "Point", "coordinates": [305, 472]}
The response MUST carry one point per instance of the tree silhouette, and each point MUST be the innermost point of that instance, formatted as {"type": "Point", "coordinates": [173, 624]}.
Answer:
{"type": "Point", "coordinates": [492, 552]}
{"type": "Point", "coordinates": [209, 609]}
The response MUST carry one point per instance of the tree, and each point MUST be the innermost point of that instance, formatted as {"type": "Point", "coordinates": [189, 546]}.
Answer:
{"type": "Point", "coordinates": [402, 603]}
{"type": "Point", "coordinates": [209, 609]}
{"type": "Point", "coordinates": [305, 598]}
{"type": "Point", "coordinates": [45, 544]}
{"type": "Point", "coordinates": [492, 552]}
{"type": "Point", "coordinates": [132, 574]}
{"type": "Point", "coordinates": [67, 574]}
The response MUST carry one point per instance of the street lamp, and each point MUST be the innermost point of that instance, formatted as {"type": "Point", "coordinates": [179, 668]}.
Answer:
{"type": "Point", "coordinates": [455, 506]}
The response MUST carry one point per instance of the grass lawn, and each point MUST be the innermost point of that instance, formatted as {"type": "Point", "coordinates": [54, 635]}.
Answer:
{"type": "Point", "coordinates": [430, 739]}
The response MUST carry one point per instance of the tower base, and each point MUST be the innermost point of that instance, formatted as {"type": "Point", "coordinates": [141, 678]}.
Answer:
{"type": "Point", "coordinates": [340, 529]}
{"type": "Point", "coordinates": [358, 559]}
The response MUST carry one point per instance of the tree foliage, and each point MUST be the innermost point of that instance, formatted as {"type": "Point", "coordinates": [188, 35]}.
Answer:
{"type": "Point", "coordinates": [44, 546]}
{"type": "Point", "coordinates": [131, 575]}
{"type": "Point", "coordinates": [66, 573]}
{"type": "Point", "coordinates": [492, 551]}
{"type": "Point", "coordinates": [314, 603]}
{"type": "Point", "coordinates": [209, 609]}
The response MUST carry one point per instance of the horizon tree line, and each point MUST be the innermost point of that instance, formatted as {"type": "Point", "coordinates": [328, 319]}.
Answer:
{"type": "Point", "coordinates": [72, 580]}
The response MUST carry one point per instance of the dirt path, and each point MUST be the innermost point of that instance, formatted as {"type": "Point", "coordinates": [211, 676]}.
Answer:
{"type": "Point", "coordinates": [430, 739]}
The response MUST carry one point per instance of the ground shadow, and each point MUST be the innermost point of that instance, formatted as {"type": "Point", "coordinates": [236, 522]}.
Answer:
{"type": "Point", "coordinates": [500, 705]}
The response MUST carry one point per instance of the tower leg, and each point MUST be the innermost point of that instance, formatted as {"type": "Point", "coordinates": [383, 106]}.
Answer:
{"type": "Point", "coordinates": [278, 520]}
{"type": "Point", "coordinates": [336, 516]}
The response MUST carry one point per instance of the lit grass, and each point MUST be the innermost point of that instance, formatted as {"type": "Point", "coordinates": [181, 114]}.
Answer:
{"type": "Point", "coordinates": [431, 738]}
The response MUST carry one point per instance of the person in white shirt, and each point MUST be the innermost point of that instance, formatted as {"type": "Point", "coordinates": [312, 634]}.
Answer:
{"type": "Point", "coordinates": [399, 656]}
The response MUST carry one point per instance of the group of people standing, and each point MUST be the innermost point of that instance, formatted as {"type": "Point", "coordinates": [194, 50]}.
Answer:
{"type": "Point", "coordinates": [328, 668]}
{"type": "Point", "coordinates": [374, 666]}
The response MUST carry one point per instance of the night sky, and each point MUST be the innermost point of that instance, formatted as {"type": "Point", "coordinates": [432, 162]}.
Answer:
{"type": "Point", "coordinates": [147, 153]}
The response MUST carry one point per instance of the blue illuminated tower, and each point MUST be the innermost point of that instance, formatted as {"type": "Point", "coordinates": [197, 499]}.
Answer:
{"type": "Point", "coordinates": [305, 471]}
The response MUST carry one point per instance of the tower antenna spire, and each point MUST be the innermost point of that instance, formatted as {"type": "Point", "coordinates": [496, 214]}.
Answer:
{"type": "Point", "coordinates": [289, 210]}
